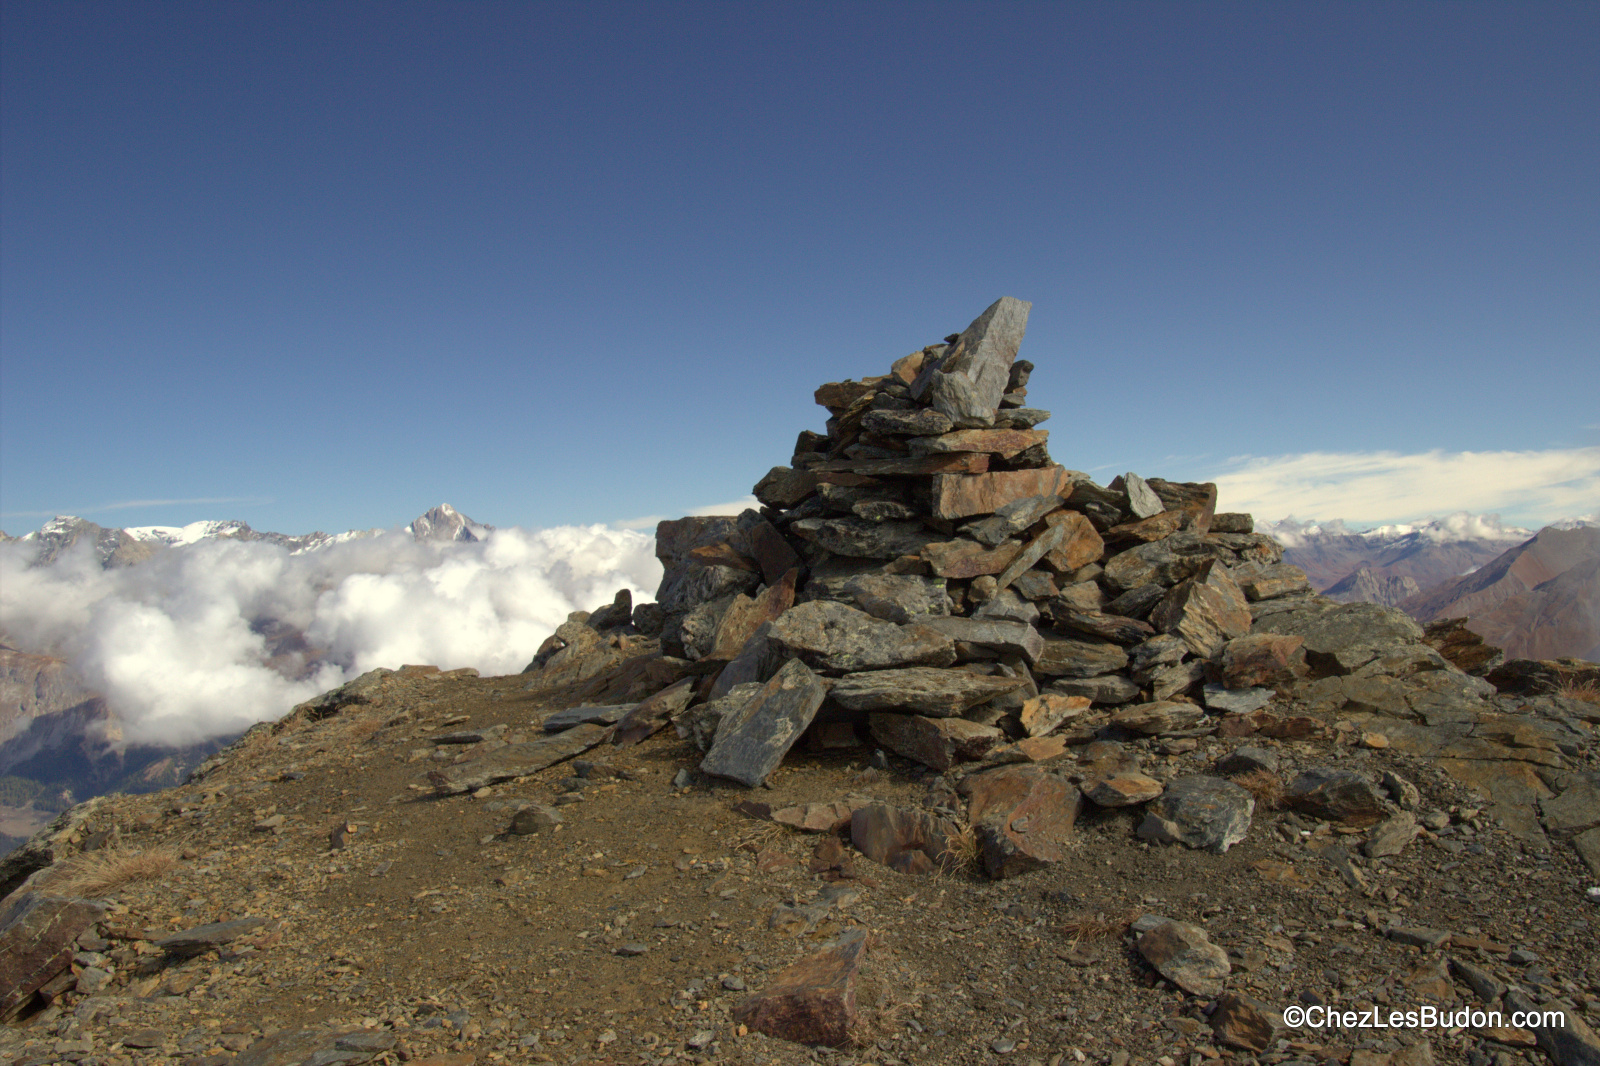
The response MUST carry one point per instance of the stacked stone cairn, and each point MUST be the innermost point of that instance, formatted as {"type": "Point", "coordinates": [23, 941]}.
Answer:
{"type": "Point", "coordinates": [922, 578]}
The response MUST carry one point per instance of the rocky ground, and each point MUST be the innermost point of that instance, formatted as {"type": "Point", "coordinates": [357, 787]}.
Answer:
{"type": "Point", "coordinates": [632, 931]}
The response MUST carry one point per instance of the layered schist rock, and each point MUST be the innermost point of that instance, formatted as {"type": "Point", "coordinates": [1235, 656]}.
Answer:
{"type": "Point", "coordinates": [922, 577]}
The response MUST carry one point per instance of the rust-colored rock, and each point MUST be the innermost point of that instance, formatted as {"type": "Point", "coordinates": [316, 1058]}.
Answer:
{"type": "Point", "coordinates": [1263, 659]}
{"type": "Point", "coordinates": [959, 495]}
{"type": "Point", "coordinates": [812, 1001]}
{"type": "Point", "coordinates": [814, 817]}
{"type": "Point", "coordinates": [1145, 530]}
{"type": "Point", "coordinates": [913, 842]}
{"type": "Point", "coordinates": [1044, 712]}
{"type": "Point", "coordinates": [745, 615]}
{"type": "Point", "coordinates": [1002, 442]}
{"type": "Point", "coordinates": [1023, 815]}
{"type": "Point", "coordinates": [1080, 546]}
{"type": "Point", "coordinates": [1242, 1022]}
{"type": "Point", "coordinates": [967, 558]}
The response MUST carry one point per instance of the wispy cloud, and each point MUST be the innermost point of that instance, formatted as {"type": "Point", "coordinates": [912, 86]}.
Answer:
{"type": "Point", "coordinates": [1531, 487]}
{"type": "Point", "coordinates": [128, 505]}
{"type": "Point", "coordinates": [733, 507]}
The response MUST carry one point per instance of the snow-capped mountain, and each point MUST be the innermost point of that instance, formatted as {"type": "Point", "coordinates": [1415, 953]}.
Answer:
{"type": "Point", "coordinates": [1429, 552]}
{"type": "Point", "coordinates": [135, 544]}
{"type": "Point", "coordinates": [445, 523]}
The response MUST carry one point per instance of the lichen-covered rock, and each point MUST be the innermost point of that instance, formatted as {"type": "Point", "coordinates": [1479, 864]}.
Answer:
{"type": "Point", "coordinates": [1200, 812]}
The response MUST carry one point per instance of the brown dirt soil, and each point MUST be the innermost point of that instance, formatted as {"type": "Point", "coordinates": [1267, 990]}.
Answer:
{"type": "Point", "coordinates": [436, 924]}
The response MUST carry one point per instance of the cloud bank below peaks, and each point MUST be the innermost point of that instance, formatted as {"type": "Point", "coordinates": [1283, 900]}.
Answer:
{"type": "Point", "coordinates": [186, 646]}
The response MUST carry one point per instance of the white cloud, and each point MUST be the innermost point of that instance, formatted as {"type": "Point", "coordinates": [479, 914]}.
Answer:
{"type": "Point", "coordinates": [173, 643]}
{"type": "Point", "coordinates": [1530, 487]}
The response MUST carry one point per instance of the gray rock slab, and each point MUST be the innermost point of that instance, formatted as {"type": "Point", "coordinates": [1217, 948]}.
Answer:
{"type": "Point", "coordinates": [1011, 519]}
{"type": "Point", "coordinates": [897, 598]}
{"type": "Point", "coordinates": [1337, 796]}
{"type": "Point", "coordinates": [1106, 689]}
{"type": "Point", "coordinates": [753, 740]}
{"type": "Point", "coordinates": [837, 637]}
{"type": "Point", "coordinates": [607, 714]}
{"type": "Point", "coordinates": [1343, 639]}
{"type": "Point", "coordinates": [921, 422]}
{"type": "Point", "coordinates": [920, 690]}
{"type": "Point", "coordinates": [1199, 811]}
{"type": "Point", "coordinates": [861, 538]}
{"type": "Point", "coordinates": [203, 938]}
{"type": "Point", "coordinates": [1142, 499]}
{"type": "Point", "coordinates": [516, 760]}
{"type": "Point", "coordinates": [1236, 700]}
{"type": "Point", "coordinates": [1008, 638]}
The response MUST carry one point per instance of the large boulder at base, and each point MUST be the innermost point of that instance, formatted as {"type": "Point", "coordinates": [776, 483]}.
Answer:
{"type": "Point", "coordinates": [753, 740]}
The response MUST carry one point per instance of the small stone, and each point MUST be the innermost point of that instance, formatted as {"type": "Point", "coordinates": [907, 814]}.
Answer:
{"type": "Point", "coordinates": [535, 818]}
{"type": "Point", "coordinates": [1246, 1023]}
{"type": "Point", "coordinates": [633, 948]}
{"type": "Point", "coordinates": [812, 1001]}
{"type": "Point", "coordinates": [1199, 812]}
{"type": "Point", "coordinates": [1122, 790]}
{"type": "Point", "coordinates": [1184, 955]}
{"type": "Point", "coordinates": [1390, 836]}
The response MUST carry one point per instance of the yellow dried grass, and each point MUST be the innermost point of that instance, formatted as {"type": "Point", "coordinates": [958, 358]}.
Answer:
{"type": "Point", "coordinates": [95, 874]}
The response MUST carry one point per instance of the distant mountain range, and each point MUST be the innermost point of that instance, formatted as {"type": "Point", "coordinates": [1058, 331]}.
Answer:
{"type": "Point", "coordinates": [1535, 595]}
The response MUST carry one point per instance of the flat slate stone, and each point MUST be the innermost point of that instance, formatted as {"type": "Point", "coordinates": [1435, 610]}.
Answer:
{"type": "Point", "coordinates": [897, 598]}
{"type": "Point", "coordinates": [607, 714]}
{"type": "Point", "coordinates": [516, 760]}
{"type": "Point", "coordinates": [753, 740]}
{"type": "Point", "coordinates": [919, 690]}
{"type": "Point", "coordinates": [1013, 638]}
{"type": "Point", "coordinates": [964, 495]}
{"type": "Point", "coordinates": [834, 636]}
{"type": "Point", "coordinates": [203, 938]}
{"type": "Point", "coordinates": [1064, 657]}
{"type": "Point", "coordinates": [859, 538]}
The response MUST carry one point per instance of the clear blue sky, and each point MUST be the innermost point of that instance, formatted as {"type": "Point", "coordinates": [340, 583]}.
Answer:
{"type": "Point", "coordinates": [337, 262]}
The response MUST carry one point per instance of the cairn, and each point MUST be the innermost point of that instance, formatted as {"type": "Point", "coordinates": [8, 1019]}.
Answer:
{"type": "Point", "coordinates": [923, 578]}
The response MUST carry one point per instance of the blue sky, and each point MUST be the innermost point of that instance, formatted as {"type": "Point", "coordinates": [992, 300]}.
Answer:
{"type": "Point", "coordinates": [322, 266]}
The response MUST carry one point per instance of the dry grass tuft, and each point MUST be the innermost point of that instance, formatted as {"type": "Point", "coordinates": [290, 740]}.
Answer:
{"type": "Point", "coordinates": [1587, 691]}
{"type": "Point", "coordinates": [1267, 788]}
{"type": "Point", "coordinates": [960, 851]}
{"type": "Point", "coordinates": [95, 874]}
{"type": "Point", "coordinates": [1094, 927]}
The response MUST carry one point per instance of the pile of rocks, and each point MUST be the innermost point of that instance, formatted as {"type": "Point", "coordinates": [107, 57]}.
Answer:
{"type": "Point", "coordinates": [922, 578]}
